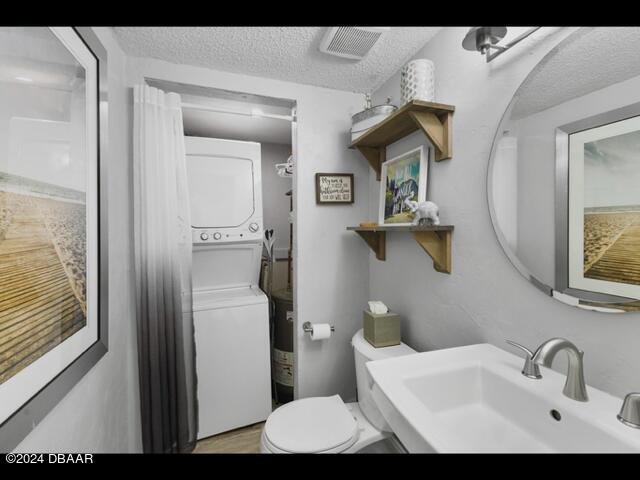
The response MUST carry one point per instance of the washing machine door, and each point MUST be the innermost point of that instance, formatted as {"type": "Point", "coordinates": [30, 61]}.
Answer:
{"type": "Point", "coordinates": [231, 330]}
{"type": "Point", "coordinates": [225, 194]}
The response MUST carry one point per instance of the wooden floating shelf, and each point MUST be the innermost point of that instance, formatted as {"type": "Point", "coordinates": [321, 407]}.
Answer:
{"type": "Point", "coordinates": [434, 119]}
{"type": "Point", "coordinates": [434, 239]}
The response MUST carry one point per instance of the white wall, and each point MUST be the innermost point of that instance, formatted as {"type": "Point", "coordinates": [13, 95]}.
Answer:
{"type": "Point", "coordinates": [331, 267]}
{"type": "Point", "coordinates": [485, 299]}
{"type": "Point", "coordinates": [275, 204]}
{"type": "Point", "coordinates": [101, 413]}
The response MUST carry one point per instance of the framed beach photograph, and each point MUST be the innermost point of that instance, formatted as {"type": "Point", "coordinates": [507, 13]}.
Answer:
{"type": "Point", "coordinates": [402, 178]}
{"type": "Point", "coordinates": [604, 209]}
{"type": "Point", "coordinates": [52, 212]}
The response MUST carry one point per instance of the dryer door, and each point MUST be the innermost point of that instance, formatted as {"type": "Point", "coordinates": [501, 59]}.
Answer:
{"type": "Point", "coordinates": [224, 179]}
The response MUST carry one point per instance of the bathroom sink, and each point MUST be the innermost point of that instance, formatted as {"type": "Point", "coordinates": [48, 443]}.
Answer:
{"type": "Point", "coordinates": [474, 399]}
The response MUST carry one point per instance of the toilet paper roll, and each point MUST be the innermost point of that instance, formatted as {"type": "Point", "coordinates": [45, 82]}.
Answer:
{"type": "Point", "coordinates": [321, 331]}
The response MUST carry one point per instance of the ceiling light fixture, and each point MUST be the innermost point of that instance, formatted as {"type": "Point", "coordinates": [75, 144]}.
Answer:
{"type": "Point", "coordinates": [24, 79]}
{"type": "Point", "coordinates": [485, 40]}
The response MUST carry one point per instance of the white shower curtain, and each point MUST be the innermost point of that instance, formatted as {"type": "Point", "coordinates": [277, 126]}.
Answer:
{"type": "Point", "coordinates": [162, 230]}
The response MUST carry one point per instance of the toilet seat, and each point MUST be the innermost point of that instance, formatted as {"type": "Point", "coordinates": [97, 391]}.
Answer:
{"type": "Point", "coordinates": [334, 427]}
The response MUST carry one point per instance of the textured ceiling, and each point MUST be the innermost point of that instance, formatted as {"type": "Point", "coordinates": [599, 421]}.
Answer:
{"type": "Point", "coordinates": [591, 59]}
{"type": "Point", "coordinates": [285, 53]}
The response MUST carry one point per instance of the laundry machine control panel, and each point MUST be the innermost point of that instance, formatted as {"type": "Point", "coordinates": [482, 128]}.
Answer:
{"type": "Point", "coordinates": [250, 232]}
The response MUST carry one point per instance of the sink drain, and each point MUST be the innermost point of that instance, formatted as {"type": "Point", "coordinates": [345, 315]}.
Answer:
{"type": "Point", "coordinates": [555, 414]}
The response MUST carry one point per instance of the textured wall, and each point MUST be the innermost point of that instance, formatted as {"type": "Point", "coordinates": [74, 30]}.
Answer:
{"type": "Point", "coordinates": [485, 299]}
{"type": "Point", "coordinates": [101, 413]}
{"type": "Point", "coordinates": [330, 264]}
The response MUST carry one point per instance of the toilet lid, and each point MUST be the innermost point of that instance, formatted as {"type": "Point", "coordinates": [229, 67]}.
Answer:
{"type": "Point", "coordinates": [311, 425]}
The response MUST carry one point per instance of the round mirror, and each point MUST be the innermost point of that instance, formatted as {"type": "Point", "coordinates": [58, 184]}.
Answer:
{"type": "Point", "coordinates": [564, 173]}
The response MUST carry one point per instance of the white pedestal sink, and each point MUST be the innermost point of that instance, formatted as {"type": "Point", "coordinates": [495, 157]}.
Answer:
{"type": "Point", "coordinates": [474, 399]}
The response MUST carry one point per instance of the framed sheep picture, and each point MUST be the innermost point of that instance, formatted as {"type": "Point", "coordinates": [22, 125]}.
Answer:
{"type": "Point", "coordinates": [334, 188]}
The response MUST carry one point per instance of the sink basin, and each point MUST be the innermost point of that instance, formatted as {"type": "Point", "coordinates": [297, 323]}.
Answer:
{"type": "Point", "coordinates": [474, 399]}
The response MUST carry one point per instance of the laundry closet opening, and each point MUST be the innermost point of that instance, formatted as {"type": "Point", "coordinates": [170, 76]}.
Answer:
{"type": "Point", "coordinates": [240, 151]}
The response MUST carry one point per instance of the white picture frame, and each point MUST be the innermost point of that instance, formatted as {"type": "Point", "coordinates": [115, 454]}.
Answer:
{"type": "Point", "coordinates": [413, 185]}
{"type": "Point", "coordinates": [69, 183]}
{"type": "Point", "coordinates": [583, 203]}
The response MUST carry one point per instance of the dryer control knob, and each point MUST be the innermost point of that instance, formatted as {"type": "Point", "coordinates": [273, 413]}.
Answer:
{"type": "Point", "coordinates": [217, 236]}
{"type": "Point", "coordinates": [254, 227]}
{"type": "Point", "coordinates": [204, 236]}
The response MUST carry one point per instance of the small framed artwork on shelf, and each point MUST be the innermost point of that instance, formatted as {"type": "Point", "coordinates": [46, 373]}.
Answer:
{"type": "Point", "coordinates": [403, 178]}
{"type": "Point", "coordinates": [334, 188]}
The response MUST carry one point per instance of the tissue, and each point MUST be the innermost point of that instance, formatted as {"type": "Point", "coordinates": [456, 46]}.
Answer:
{"type": "Point", "coordinates": [376, 306]}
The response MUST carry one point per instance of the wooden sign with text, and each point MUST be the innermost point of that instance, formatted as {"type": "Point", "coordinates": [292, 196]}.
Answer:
{"type": "Point", "coordinates": [334, 188]}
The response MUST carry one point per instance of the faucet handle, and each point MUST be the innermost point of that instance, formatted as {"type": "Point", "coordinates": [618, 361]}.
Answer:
{"type": "Point", "coordinates": [521, 347]}
{"type": "Point", "coordinates": [530, 369]}
{"type": "Point", "coordinates": [630, 411]}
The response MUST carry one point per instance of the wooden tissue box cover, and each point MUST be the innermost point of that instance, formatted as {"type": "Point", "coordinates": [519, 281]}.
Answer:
{"type": "Point", "coordinates": [382, 329]}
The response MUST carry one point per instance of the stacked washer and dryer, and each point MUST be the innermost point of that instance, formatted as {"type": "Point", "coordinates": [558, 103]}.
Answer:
{"type": "Point", "coordinates": [231, 313]}
{"type": "Point", "coordinates": [231, 318]}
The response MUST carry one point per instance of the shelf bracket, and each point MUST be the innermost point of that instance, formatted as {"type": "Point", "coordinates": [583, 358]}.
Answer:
{"type": "Point", "coordinates": [437, 128]}
{"type": "Point", "coordinates": [435, 240]}
{"type": "Point", "coordinates": [376, 156]}
{"type": "Point", "coordinates": [438, 245]}
{"type": "Point", "coordinates": [377, 242]}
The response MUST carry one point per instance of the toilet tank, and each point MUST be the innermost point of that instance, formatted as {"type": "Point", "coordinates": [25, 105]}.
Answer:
{"type": "Point", "coordinates": [364, 352]}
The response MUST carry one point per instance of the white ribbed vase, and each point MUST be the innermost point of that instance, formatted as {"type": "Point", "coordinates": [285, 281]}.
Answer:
{"type": "Point", "coordinates": [417, 81]}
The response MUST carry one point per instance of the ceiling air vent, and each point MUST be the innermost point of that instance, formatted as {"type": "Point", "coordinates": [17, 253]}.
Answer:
{"type": "Point", "coordinates": [351, 42]}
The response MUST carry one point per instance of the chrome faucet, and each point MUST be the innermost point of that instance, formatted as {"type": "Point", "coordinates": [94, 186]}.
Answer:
{"type": "Point", "coordinates": [574, 387]}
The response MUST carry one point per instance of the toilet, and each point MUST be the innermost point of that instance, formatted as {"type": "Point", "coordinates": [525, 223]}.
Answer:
{"type": "Point", "coordinates": [327, 424]}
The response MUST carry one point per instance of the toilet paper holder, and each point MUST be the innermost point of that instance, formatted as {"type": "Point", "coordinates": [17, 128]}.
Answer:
{"type": "Point", "coordinates": [308, 328]}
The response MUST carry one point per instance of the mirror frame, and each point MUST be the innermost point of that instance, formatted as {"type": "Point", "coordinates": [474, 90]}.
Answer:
{"type": "Point", "coordinates": [570, 296]}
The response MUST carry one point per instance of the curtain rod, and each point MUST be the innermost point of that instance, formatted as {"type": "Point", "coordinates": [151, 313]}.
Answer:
{"type": "Point", "coordinates": [255, 112]}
